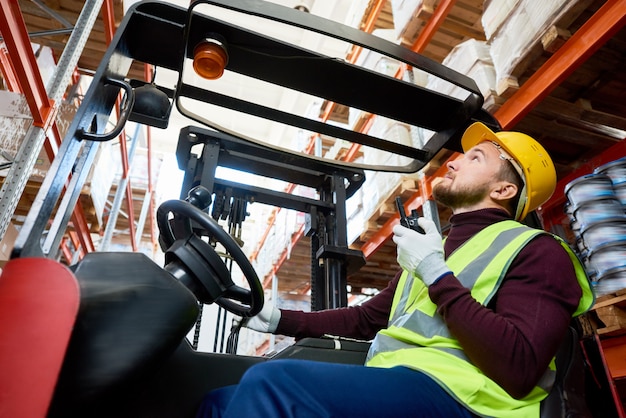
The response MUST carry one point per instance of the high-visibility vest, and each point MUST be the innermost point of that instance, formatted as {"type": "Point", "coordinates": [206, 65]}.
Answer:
{"type": "Point", "coordinates": [417, 336]}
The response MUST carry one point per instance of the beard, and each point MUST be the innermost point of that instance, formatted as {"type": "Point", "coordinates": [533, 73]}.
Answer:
{"type": "Point", "coordinates": [461, 197]}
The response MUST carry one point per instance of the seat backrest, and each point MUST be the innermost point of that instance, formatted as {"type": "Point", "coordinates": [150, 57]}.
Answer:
{"type": "Point", "coordinates": [39, 301]}
{"type": "Point", "coordinates": [567, 397]}
{"type": "Point", "coordinates": [133, 315]}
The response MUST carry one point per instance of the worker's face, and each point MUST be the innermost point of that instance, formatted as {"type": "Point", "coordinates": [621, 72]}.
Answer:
{"type": "Point", "coordinates": [470, 179]}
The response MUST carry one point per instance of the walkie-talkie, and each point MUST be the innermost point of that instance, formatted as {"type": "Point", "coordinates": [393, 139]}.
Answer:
{"type": "Point", "coordinates": [408, 221]}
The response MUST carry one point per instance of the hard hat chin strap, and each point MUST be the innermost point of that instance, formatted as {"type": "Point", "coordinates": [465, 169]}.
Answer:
{"type": "Point", "coordinates": [523, 198]}
{"type": "Point", "coordinates": [521, 202]}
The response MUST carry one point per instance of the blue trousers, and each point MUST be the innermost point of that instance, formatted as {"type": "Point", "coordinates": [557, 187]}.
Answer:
{"type": "Point", "coordinates": [303, 389]}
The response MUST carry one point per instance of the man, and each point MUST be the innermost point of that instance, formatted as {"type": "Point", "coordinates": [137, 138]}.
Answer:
{"type": "Point", "coordinates": [469, 328]}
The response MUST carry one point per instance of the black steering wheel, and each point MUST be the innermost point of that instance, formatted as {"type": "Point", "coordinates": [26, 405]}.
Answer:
{"type": "Point", "coordinates": [197, 264]}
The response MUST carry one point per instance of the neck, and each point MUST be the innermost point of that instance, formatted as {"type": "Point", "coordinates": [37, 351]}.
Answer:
{"type": "Point", "coordinates": [465, 225]}
{"type": "Point", "coordinates": [480, 206]}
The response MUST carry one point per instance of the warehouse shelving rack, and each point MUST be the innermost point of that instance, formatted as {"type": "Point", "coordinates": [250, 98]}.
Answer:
{"type": "Point", "coordinates": [19, 68]}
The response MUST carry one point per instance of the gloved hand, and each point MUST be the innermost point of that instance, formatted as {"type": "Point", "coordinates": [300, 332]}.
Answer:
{"type": "Point", "coordinates": [265, 321]}
{"type": "Point", "coordinates": [421, 254]}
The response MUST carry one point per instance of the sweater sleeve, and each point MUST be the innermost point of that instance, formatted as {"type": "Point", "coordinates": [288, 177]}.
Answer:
{"type": "Point", "coordinates": [514, 338]}
{"type": "Point", "coordinates": [360, 322]}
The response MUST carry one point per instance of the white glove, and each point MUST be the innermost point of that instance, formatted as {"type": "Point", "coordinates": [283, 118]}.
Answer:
{"type": "Point", "coordinates": [265, 321]}
{"type": "Point", "coordinates": [421, 254]}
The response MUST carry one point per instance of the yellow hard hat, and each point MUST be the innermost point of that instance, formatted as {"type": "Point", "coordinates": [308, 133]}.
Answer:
{"type": "Point", "coordinates": [533, 163]}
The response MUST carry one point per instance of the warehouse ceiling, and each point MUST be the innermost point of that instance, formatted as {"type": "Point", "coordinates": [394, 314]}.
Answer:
{"type": "Point", "coordinates": [583, 117]}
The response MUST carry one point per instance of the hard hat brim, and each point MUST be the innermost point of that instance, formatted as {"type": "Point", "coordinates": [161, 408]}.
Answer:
{"type": "Point", "coordinates": [476, 133]}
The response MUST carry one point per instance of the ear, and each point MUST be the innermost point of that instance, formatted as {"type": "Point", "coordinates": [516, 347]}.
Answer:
{"type": "Point", "coordinates": [503, 191]}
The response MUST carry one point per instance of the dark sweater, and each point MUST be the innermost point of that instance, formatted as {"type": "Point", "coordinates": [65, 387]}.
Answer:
{"type": "Point", "coordinates": [512, 340]}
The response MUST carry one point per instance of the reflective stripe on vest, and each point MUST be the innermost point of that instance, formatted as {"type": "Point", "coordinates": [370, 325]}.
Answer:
{"type": "Point", "coordinates": [417, 336]}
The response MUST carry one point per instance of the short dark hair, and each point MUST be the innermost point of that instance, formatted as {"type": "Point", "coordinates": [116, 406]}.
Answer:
{"type": "Point", "coordinates": [508, 173]}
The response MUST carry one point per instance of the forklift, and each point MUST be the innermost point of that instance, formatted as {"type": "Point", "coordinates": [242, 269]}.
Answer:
{"type": "Point", "coordinates": [113, 326]}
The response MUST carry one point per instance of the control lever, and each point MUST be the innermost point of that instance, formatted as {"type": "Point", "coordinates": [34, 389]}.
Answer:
{"type": "Point", "coordinates": [408, 221]}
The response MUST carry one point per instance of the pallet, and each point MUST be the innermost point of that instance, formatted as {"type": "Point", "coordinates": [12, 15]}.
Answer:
{"type": "Point", "coordinates": [554, 36]}
{"type": "Point", "coordinates": [608, 316]}
{"type": "Point", "coordinates": [418, 20]}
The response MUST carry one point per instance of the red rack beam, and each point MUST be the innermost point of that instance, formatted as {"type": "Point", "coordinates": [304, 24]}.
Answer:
{"type": "Point", "coordinates": [15, 35]}
{"type": "Point", "coordinates": [433, 24]}
{"type": "Point", "coordinates": [20, 66]}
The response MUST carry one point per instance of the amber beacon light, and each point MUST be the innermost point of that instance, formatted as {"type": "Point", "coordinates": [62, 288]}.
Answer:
{"type": "Point", "coordinates": [210, 57]}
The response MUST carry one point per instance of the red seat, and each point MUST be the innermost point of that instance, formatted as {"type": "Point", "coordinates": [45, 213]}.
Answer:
{"type": "Point", "coordinates": [39, 300]}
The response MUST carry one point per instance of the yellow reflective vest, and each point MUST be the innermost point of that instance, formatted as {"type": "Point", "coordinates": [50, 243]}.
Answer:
{"type": "Point", "coordinates": [418, 338]}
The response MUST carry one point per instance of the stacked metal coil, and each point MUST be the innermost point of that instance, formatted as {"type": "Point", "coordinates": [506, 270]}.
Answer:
{"type": "Point", "coordinates": [596, 209]}
{"type": "Point", "coordinates": [616, 170]}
